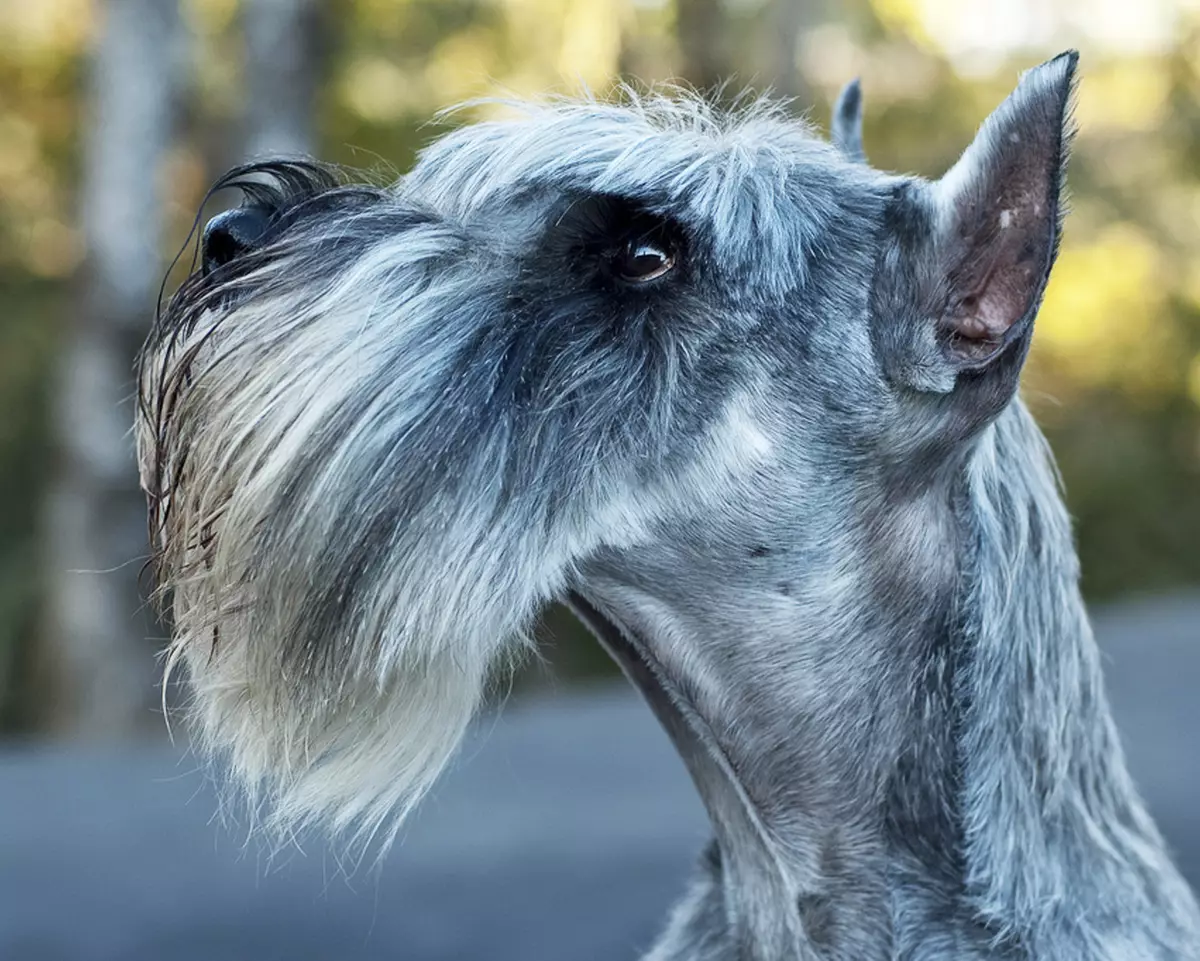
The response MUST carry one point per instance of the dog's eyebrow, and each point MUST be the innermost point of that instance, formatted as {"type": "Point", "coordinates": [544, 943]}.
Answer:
{"type": "Point", "coordinates": [600, 215]}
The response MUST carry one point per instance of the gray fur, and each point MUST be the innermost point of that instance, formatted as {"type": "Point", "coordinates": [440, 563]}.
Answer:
{"type": "Point", "coordinates": [788, 486]}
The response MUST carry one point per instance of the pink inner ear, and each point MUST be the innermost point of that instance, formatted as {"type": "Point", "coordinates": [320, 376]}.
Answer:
{"type": "Point", "coordinates": [999, 276]}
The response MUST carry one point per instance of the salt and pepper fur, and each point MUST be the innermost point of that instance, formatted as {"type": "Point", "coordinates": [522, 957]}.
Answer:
{"type": "Point", "coordinates": [789, 486]}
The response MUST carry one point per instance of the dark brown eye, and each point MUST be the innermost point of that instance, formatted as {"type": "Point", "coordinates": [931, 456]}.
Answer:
{"type": "Point", "coordinates": [641, 261]}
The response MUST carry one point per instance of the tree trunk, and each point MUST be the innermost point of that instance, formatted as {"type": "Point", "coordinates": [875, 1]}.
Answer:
{"type": "Point", "coordinates": [702, 29]}
{"type": "Point", "coordinates": [786, 22]}
{"type": "Point", "coordinates": [284, 51]}
{"type": "Point", "coordinates": [103, 667]}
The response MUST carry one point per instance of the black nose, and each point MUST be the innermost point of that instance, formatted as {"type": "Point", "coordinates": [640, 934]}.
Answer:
{"type": "Point", "coordinates": [231, 234]}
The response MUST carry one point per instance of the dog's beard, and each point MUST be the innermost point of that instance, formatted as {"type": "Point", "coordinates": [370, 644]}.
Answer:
{"type": "Point", "coordinates": [341, 570]}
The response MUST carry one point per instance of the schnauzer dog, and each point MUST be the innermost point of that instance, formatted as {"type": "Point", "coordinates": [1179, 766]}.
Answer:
{"type": "Point", "coordinates": [749, 406]}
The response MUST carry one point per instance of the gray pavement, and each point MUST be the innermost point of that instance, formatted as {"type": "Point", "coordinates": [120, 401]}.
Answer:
{"type": "Point", "coordinates": [563, 834]}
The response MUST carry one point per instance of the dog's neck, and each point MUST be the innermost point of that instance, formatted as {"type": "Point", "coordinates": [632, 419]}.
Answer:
{"type": "Point", "coordinates": [948, 768]}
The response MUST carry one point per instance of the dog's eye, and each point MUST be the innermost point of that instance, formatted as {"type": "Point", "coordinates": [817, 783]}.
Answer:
{"type": "Point", "coordinates": [641, 261]}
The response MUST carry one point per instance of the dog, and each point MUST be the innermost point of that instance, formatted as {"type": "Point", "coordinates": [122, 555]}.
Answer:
{"type": "Point", "coordinates": [749, 406]}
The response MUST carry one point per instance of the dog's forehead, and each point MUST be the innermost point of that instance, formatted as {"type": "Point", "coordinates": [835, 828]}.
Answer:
{"type": "Point", "coordinates": [756, 181]}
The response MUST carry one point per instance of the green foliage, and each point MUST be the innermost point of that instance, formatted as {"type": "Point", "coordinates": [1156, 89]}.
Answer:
{"type": "Point", "coordinates": [28, 336]}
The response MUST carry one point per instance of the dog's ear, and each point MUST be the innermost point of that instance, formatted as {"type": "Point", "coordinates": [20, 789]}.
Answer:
{"type": "Point", "coordinates": [967, 258]}
{"type": "Point", "coordinates": [846, 131]}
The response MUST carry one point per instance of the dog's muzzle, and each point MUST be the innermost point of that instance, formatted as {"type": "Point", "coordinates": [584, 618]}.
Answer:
{"type": "Point", "coordinates": [231, 234]}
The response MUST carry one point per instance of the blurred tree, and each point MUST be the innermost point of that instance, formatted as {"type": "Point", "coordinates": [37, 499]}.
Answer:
{"type": "Point", "coordinates": [39, 79]}
{"type": "Point", "coordinates": [703, 30]}
{"type": "Point", "coordinates": [785, 25]}
{"type": "Point", "coordinates": [285, 44]}
{"type": "Point", "coordinates": [95, 516]}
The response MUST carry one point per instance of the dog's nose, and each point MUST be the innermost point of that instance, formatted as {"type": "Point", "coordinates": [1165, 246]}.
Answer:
{"type": "Point", "coordinates": [232, 233]}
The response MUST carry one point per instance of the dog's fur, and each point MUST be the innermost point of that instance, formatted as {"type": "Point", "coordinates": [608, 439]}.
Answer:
{"type": "Point", "coordinates": [787, 483]}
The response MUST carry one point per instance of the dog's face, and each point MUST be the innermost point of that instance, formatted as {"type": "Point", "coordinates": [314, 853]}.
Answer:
{"type": "Point", "coordinates": [380, 428]}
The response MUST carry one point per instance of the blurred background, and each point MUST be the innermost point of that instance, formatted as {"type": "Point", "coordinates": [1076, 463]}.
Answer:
{"type": "Point", "coordinates": [116, 116]}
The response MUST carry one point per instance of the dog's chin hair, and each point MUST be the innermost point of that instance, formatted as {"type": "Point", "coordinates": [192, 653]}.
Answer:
{"type": "Point", "coordinates": [353, 769]}
{"type": "Point", "coordinates": [347, 751]}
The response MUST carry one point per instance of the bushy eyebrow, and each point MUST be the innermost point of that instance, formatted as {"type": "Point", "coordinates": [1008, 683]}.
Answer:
{"type": "Point", "coordinates": [588, 221]}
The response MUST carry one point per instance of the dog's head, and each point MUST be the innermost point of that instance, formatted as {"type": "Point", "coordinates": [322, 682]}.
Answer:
{"type": "Point", "coordinates": [381, 427]}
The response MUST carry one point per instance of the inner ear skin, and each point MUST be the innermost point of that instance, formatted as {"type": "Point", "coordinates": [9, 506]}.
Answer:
{"type": "Point", "coordinates": [1001, 290]}
{"type": "Point", "coordinates": [1007, 243]}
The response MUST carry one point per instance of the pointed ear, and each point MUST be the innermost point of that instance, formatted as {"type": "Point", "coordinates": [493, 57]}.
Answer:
{"type": "Point", "coordinates": [999, 212]}
{"type": "Point", "coordinates": [846, 131]}
{"type": "Point", "coordinates": [972, 253]}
